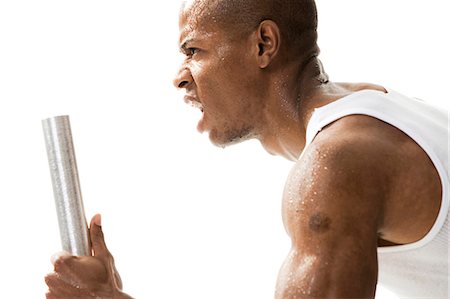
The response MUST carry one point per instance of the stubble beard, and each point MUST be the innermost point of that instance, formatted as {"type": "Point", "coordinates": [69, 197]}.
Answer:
{"type": "Point", "coordinates": [231, 136]}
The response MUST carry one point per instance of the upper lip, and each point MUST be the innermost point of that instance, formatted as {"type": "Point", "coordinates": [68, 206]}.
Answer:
{"type": "Point", "coordinates": [193, 100]}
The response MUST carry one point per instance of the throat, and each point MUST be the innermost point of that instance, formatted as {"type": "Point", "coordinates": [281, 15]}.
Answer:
{"type": "Point", "coordinates": [283, 145]}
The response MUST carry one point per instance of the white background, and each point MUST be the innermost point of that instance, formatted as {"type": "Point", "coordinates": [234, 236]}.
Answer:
{"type": "Point", "coordinates": [183, 218]}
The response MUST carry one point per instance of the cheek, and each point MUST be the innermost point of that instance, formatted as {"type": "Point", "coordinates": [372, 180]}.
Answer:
{"type": "Point", "coordinates": [224, 86]}
{"type": "Point", "coordinates": [210, 81]}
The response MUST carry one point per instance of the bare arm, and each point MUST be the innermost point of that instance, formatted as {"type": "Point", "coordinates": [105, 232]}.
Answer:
{"type": "Point", "coordinates": [331, 209]}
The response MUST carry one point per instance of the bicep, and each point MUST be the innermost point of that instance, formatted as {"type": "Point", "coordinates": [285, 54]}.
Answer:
{"type": "Point", "coordinates": [331, 213]}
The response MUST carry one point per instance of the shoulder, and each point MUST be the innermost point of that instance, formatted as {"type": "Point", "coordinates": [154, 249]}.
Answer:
{"type": "Point", "coordinates": [332, 207]}
{"type": "Point", "coordinates": [363, 142]}
{"type": "Point", "coordinates": [341, 178]}
{"type": "Point", "coordinates": [353, 149]}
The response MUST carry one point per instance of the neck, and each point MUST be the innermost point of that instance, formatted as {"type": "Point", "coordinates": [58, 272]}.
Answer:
{"type": "Point", "coordinates": [296, 91]}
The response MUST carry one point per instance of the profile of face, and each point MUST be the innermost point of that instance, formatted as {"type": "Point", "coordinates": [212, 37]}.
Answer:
{"type": "Point", "coordinates": [219, 77]}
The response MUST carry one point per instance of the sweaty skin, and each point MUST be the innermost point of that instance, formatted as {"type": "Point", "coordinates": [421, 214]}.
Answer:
{"type": "Point", "coordinates": [360, 184]}
{"type": "Point", "coordinates": [341, 199]}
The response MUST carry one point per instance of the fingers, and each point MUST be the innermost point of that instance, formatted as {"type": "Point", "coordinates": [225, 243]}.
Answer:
{"type": "Point", "coordinates": [58, 288]}
{"type": "Point", "coordinates": [66, 269]}
{"type": "Point", "coordinates": [55, 284]}
{"type": "Point", "coordinates": [58, 255]}
{"type": "Point", "coordinates": [101, 251]}
{"type": "Point", "coordinates": [83, 276]}
{"type": "Point", "coordinates": [97, 238]}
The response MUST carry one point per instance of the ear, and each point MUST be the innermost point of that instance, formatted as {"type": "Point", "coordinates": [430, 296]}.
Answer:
{"type": "Point", "coordinates": [269, 38]}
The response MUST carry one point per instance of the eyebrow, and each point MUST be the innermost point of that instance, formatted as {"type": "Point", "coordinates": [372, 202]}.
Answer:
{"type": "Point", "coordinates": [184, 45]}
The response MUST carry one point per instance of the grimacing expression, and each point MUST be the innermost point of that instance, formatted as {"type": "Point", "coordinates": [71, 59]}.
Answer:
{"type": "Point", "coordinates": [219, 77]}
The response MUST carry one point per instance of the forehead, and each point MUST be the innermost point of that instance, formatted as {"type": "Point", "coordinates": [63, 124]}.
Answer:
{"type": "Point", "coordinates": [195, 19]}
{"type": "Point", "coordinates": [196, 8]}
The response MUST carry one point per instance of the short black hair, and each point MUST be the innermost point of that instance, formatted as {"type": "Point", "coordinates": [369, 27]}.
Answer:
{"type": "Point", "coordinates": [297, 19]}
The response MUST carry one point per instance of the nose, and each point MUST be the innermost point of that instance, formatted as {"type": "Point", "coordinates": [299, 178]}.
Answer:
{"type": "Point", "coordinates": [183, 79]}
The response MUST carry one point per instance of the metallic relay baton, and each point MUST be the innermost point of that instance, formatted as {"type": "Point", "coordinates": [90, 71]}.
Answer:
{"type": "Point", "coordinates": [66, 186]}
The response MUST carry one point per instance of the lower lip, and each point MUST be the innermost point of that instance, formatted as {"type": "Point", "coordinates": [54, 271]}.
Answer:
{"type": "Point", "coordinates": [201, 123]}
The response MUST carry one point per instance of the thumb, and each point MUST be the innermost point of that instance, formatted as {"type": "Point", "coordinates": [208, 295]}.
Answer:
{"type": "Point", "coordinates": [97, 239]}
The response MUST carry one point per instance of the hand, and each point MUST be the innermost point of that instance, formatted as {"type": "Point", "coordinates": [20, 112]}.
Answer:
{"type": "Point", "coordinates": [86, 277]}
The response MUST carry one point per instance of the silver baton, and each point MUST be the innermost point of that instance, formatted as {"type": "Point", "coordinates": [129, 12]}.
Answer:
{"type": "Point", "coordinates": [73, 227]}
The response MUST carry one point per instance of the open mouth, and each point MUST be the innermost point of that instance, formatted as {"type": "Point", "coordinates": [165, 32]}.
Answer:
{"type": "Point", "coordinates": [196, 104]}
{"type": "Point", "coordinates": [193, 102]}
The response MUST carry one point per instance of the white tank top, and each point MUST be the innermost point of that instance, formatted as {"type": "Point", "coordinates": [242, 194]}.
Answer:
{"type": "Point", "coordinates": [419, 269]}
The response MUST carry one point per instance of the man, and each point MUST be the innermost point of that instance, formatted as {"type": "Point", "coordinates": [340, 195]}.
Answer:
{"type": "Point", "coordinates": [367, 198]}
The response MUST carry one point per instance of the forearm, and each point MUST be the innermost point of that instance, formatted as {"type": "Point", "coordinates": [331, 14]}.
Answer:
{"type": "Point", "coordinates": [291, 283]}
{"type": "Point", "coordinates": [312, 277]}
{"type": "Point", "coordinates": [296, 289]}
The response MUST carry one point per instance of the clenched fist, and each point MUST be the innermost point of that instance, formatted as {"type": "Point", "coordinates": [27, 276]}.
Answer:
{"type": "Point", "coordinates": [83, 277]}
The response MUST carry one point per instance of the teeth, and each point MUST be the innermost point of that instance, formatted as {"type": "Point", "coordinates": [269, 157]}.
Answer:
{"type": "Point", "coordinates": [197, 105]}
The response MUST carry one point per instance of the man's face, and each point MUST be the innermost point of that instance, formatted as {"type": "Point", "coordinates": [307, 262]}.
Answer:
{"type": "Point", "coordinates": [219, 77]}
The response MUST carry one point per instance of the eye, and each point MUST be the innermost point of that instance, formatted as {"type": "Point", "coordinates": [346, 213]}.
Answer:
{"type": "Point", "coordinates": [191, 51]}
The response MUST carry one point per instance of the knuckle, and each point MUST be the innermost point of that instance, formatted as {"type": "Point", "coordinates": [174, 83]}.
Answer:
{"type": "Point", "coordinates": [51, 280]}
{"type": "Point", "coordinates": [63, 262]}
{"type": "Point", "coordinates": [59, 262]}
{"type": "Point", "coordinates": [48, 278]}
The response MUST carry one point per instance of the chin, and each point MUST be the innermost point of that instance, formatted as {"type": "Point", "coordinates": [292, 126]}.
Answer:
{"type": "Point", "coordinates": [230, 137]}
